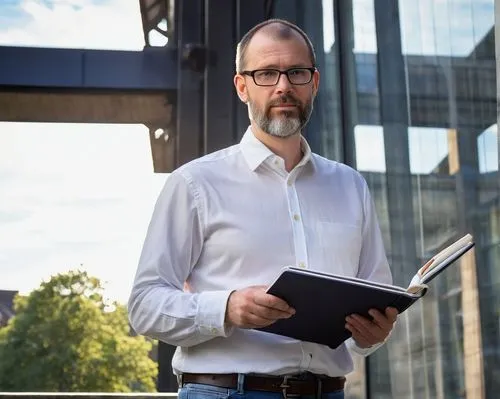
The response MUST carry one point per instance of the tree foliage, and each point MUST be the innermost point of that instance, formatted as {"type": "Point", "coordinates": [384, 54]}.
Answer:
{"type": "Point", "coordinates": [66, 338]}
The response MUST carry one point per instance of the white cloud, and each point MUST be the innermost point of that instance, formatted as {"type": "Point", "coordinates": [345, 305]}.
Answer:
{"type": "Point", "coordinates": [109, 24]}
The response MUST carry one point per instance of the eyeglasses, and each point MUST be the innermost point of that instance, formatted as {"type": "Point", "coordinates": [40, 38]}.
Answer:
{"type": "Point", "coordinates": [271, 77]}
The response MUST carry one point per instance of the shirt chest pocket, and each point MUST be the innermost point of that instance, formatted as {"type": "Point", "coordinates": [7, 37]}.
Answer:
{"type": "Point", "coordinates": [337, 248]}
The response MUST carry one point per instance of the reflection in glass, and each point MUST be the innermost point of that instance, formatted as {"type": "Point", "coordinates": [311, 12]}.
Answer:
{"type": "Point", "coordinates": [444, 28]}
{"type": "Point", "coordinates": [364, 28]}
{"type": "Point", "coordinates": [428, 149]}
{"type": "Point", "coordinates": [370, 153]}
{"type": "Point", "coordinates": [487, 146]}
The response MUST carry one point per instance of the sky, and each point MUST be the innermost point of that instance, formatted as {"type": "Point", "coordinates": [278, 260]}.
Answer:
{"type": "Point", "coordinates": [81, 195]}
{"type": "Point", "coordinates": [73, 195]}
{"type": "Point", "coordinates": [98, 24]}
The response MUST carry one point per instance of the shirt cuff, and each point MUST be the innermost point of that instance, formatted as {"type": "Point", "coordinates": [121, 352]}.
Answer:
{"type": "Point", "coordinates": [351, 345]}
{"type": "Point", "coordinates": [211, 313]}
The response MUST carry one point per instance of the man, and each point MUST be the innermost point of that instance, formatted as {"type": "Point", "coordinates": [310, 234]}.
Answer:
{"type": "Point", "coordinates": [225, 224]}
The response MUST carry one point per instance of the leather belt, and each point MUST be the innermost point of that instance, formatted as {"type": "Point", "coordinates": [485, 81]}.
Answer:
{"type": "Point", "coordinates": [309, 384]}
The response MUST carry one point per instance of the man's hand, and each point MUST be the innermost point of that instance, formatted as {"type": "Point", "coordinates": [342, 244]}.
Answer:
{"type": "Point", "coordinates": [367, 332]}
{"type": "Point", "coordinates": [252, 307]}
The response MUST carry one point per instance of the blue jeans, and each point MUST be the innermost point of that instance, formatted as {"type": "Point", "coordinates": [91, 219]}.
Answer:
{"type": "Point", "coordinates": [201, 391]}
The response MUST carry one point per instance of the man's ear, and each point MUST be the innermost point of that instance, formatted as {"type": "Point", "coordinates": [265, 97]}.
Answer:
{"type": "Point", "coordinates": [241, 87]}
{"type": "Point", "coordinates": [315, 83]}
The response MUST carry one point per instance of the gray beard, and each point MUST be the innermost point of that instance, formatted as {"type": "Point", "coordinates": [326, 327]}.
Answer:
{"type": "Point", "coordinates": [281, 126]}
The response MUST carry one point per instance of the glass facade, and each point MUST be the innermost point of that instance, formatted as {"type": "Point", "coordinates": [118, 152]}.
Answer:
{"type": "Point", "coordinates": [408, 97]}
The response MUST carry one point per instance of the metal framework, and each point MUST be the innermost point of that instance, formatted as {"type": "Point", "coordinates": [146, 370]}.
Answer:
{"type": "Point", "coordinates": [153, 13]}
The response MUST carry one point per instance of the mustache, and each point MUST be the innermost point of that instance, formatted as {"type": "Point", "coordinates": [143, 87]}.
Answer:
{"type": "Point", "coordinates": [284, 99]}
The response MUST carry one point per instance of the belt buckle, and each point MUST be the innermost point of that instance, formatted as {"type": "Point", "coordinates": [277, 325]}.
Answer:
{"type": "Point", "coordinates": [284, 386]}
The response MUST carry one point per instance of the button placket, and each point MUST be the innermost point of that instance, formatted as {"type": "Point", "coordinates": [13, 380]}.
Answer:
{"type": "Point", "coordinates": [299, 239]}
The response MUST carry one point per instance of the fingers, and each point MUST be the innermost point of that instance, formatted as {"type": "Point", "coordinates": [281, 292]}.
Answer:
{"type": "Point", "coordinates": [253, 307]}
{"type": "Point", "coordinates": [263, 299]}
{"type": "Point", "coordinates": [364, 333]}
{"type": "Point", "coordinates": [370, 332]}
{"type": "Point", "coordinates": [251, 320]}
{"type": "Point", "coordinates": [270, 308]}
{"type": "Point", "coordinates": [384, 321]}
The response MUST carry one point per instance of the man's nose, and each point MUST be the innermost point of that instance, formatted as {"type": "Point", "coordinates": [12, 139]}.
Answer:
{"type": "Point", "coordinates": [283, 84]}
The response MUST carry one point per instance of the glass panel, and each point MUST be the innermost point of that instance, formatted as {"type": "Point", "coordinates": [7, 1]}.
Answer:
{"type": "Point", "coordinates": [370, 154]}
{"type": "Point", "coordinates": [487, 148]}
{"type": "Point", "coordinates": [365, 39]}
{"type": "Point", "coordinates": [426, 32]}
{"type": "Point", "coordinates": [431, 161]}
{"type": "Point", "coordinates": [86, 24]}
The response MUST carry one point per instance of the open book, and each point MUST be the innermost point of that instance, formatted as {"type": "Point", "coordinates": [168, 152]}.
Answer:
{"type": "Point", "coordinates": [322, 301]}
{"type": "Point", "coordinates": [439, 262]}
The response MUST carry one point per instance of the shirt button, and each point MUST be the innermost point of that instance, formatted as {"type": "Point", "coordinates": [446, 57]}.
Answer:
{"type": "Point", "coordinates": [290, 182]}
{"type": "Point", "coordinates": [302, 265]}
{"type": "Point", "coordinates": [214, 330]}
{"type": "Point", "coordinates": [296, 217]}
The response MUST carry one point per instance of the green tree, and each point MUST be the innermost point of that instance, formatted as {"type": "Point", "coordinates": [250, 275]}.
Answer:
{"type": "Point", "coordinates": [66, 338]}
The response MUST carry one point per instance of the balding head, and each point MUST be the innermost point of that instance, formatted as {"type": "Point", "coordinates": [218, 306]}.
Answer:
{"type": "Point", "coordinates": [276, 29]}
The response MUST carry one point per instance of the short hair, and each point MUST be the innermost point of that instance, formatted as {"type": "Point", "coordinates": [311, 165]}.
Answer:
{"type": "Point", "coordinates": [284, 31]}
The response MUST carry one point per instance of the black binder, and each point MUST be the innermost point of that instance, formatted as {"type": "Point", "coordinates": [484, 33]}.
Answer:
{"type": "Point", "coordinates": [322, 301]}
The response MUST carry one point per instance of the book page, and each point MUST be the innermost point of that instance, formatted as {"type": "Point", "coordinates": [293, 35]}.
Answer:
{"type": "Point", "coordinates": [439, 261]}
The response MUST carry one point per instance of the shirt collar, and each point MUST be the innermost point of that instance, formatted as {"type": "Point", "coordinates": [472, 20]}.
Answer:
{"type": "Point", "coordinates": [255, 152]}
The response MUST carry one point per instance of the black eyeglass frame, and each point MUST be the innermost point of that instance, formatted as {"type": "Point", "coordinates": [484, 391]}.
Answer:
{"type": "Point", "coordinates": [285, 72]}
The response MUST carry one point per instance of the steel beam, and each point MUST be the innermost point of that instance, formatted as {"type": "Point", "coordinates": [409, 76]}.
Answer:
{"type": "Point", "coordinates": [150, 69]}
{"type": "Point", "coordinates": [248, 14]}
{"type": "Point", "coordinates": [188, 128]}
{"type": "Point", "coordinates": [344, 47]}
{"type": "Point", "coordinates": [73, 107]}
{"type": "Point", "coordinates": [394, 118]}
{"type": "Point", "coordinates": [219, 95]}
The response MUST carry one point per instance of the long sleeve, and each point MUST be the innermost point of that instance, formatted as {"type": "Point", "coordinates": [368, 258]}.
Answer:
{"type": "Point", "coordinates": [158, 307]}
{"type": "Point", "coordinates": [373, 263]}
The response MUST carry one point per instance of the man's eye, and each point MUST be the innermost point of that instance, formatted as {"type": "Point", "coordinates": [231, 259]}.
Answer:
{"type": "Point", "coordinates": [267, 73]}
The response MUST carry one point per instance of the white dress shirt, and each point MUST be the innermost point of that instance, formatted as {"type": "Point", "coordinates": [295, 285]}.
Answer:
{"type": "Point", "coordinates": [233, 219]}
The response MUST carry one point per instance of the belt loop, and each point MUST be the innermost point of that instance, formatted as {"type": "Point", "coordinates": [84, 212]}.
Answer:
{"type": "Point", "coordinates": [319, 388]}
{"type": "Point", "coordinates": [241, 383]}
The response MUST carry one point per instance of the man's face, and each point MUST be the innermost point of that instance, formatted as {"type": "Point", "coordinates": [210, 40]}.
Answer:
{"type": "Point", "coordinates": [284, 109]}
